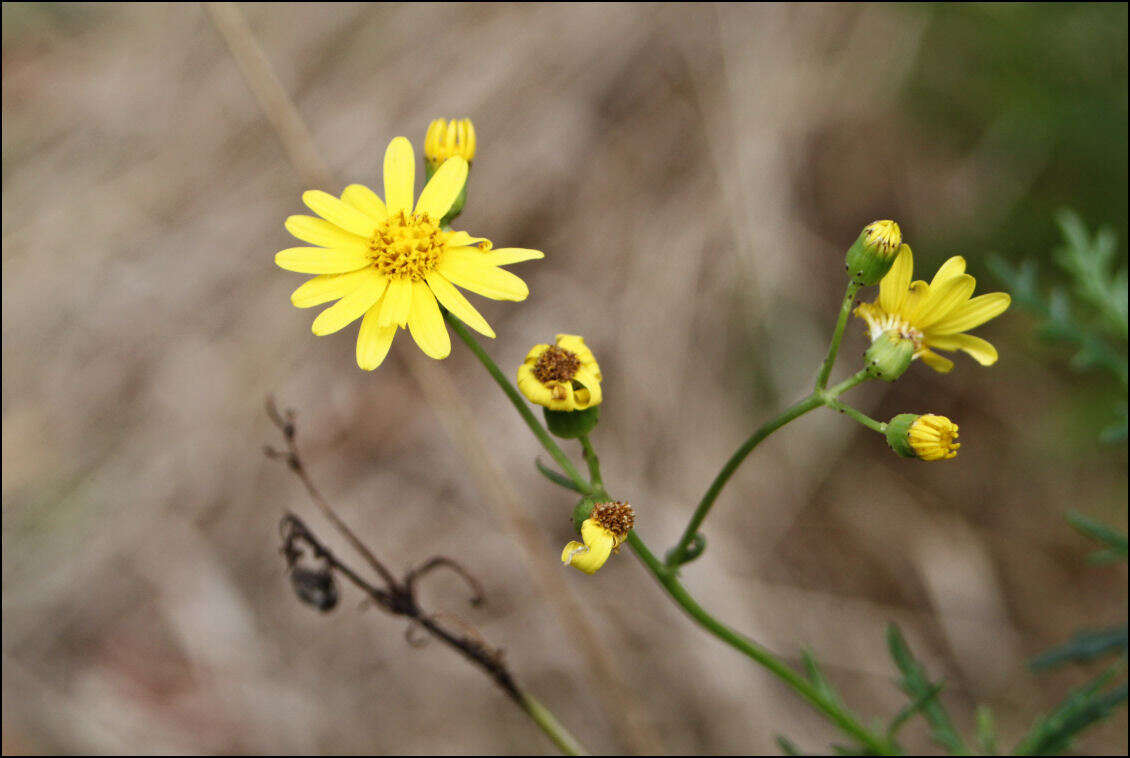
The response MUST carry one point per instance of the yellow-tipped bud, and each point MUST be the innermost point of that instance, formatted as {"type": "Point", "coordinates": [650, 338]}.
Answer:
{"type": "Point", "coordinates": [929, 437]}
{"type": "Point", "coordinates": [603, 532]}
{"type": "Point", "coordinates": [871, 255]}
{"type": "Point", "coordinates": [446, 139]}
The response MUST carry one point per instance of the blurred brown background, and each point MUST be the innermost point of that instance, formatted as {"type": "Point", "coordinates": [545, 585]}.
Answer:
{"type": "Point", "coordinates": [694, 174]}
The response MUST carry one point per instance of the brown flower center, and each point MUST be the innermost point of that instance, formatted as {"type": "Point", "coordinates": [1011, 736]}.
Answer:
{"type": "Point", "coordinates": [556, 365]}
{"type": "Point", "coordinates": [616, 517]}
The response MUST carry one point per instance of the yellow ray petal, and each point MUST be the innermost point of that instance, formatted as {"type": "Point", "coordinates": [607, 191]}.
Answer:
{"type": "Point", "coordinates": [327, 287]}
{"type": "Point", "coordinates": [400, 176]}
{"type": "Point", "coordinates": [531, 387]}
{"type": "Point", "coordinates": [894, 286]}
{"type": "Point", "coordinates": [319, 260]}
{"type": "Point", "coordinates": [351, 307]}
{"type": "Point", "coordinates": [397, 303]}
{"type": "Point", "coordinates": [473, 272]}
{"type": "Point", "coordinates": [463, 239]}
{"type": "Point", "coordinates": [937, 362]}
{"type": "Point", "coordinates": [453, 300]}
{"type": "Point", "coordinates": [504, 256]}
{"type": "Point", "coordinates": [365, 200]}
{"type": "Point", "coordinates": [951, 268]}
{"type": "Point", "coordinates": [940, 301]}
{"type": "Point", "coordinates": [980, 350]}
{"type": "Point", "coordinates": [373, 341]}
{"type": "Point", "coordinates": [442, 189]}
{"type": "Point", "coordinates": [320, 232]}
{"type": "Point", "coordinates": [593, 554]}
{"type": "Point", "coordinates": [425, 322]}
{"type": "Point", "coordinates": [339, 213]}
{"type": "Point", "coordinates": [973, 313]}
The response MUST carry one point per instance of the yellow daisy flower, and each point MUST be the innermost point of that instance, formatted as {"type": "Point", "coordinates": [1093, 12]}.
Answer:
{"type": "Point", "coordinates": [562, 377]}
{"type": "Point", "coordinates": [603, 532]}
{"type": "Point", "coordinates": [389, 262]}
{"type": "Point", "coordinates": [935, 315]}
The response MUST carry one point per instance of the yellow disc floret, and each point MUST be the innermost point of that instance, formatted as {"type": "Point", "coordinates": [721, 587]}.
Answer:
{"type": "Point", "coordinates": [407, 246]}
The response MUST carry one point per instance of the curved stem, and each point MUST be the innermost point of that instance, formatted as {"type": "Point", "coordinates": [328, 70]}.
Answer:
{"type": "Point", "coordinates": [539, 431]}
{"type": "Point", "coordinates": [809, 691]}
{"type": "Point", "coordinates": [678, 553]}
{"type": "Point", "coordinates": [837, 335]}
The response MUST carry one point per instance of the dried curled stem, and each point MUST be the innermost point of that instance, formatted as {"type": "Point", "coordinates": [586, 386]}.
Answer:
{"type": "Point", "coordinates": [315, 585]}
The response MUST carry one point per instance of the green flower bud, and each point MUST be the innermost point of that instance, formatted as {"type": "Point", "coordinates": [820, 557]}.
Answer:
{"type": "Point", "coordinates": [572, 425]}
{"type": "Point", "coordinates": [871, 255]}
{"type": "Point", "coordinates": [889, 356]}
{"type": "Point", "coordinates": [898, 434]}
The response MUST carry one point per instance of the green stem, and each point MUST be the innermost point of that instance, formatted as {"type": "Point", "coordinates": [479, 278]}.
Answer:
{"type": "Point", "coordinates": [553, 728]}
{"type": "Point", "coordinates": [837, 335]}
{"type": "Point", "coordinates": [593, 462]}
{"type": "Point", "coordinates": [822, 702]}
{"type": "Point", "coordinates": [678, 554]}
{"type": "Point", "coordinates": [539, 431]}
{"type": "Point", "coordinates": [859, 416]}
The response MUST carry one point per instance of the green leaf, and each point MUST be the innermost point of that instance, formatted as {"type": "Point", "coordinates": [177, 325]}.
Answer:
{"type": "Point", "coordinates": [787, 747]}
{"type": "Point", "coordinates": [918, 687]}
{"type": "Point", "coordinates": [1081, 708]}
{"type": "Point", "coordinates": [1099, 532]}
{"type": "Point", "coordinates": [986, 730]}
{"type": "Point", "coordinates": [559, 479]}
{"type": "Point", "coordinates": [1085, 645]}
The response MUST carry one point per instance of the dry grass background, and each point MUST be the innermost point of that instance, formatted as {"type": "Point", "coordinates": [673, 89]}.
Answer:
{"type": "Point", "coordinates": [694, 174]}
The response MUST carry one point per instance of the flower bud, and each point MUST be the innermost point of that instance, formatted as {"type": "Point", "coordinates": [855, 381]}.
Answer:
{"type": "Point", "coordinates": [871, 255]}
{"type": "Point", "coordinates": [889, 356]}
{"type": "Point", "coordinates": [928, 437]}
{"type": "Point", "coordinates": [445, 140]}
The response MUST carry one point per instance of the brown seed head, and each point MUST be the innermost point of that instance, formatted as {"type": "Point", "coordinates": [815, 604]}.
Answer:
{"type": "Point", "coordinates": [556, 365]}
{"type": "Point", "coordinates": [616, 517]}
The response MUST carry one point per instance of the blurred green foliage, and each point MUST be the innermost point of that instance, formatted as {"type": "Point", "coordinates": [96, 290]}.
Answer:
{"type": "Point", "coordinates": [1089, 314]}
{"type": "Point", "coordinates": [1041, 89]}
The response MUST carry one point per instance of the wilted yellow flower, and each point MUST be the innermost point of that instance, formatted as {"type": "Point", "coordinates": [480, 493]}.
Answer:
{"type": "Point", "coordinates": [562, 377]}
{"type": "Point", "coordinates": [603, 532]}
{"type": "Point", "coordinates": [932, 437]}
{"type": "Point", "coordinates": [447, 139]}
{"type": "Point", "coordinates": [388, 262]}
{"type": "Point", "coordinates": [935, 315]}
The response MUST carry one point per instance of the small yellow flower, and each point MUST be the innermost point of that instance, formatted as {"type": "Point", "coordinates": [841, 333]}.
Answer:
{"type": "Point", "coordinates": [388, 262]}
{"type": "Point", "coordinates": [603, 532]}
{"type": "Point", "coordinates": [562, 377]}
{"type": "Point", "coordinates": [447, 139]}
{"type": "Point", "coordinates": [932, 437]}
{"type": "Point", "coordinates": [935, 315]}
